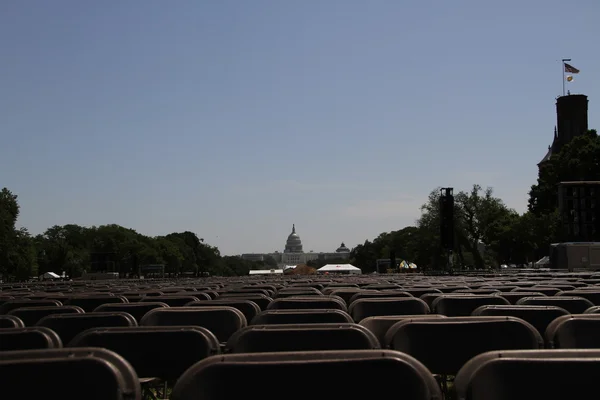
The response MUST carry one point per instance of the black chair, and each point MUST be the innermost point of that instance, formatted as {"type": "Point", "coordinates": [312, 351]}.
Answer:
{"type": "Point", "coordinates": [463, 306]}
{"type": "Point", "coordinates": [30, 338]}
{"type": "Point", "coordinates": [163, 352]}
{"type": "Point", "coordinates": [323, 316]}
{"type": "Point", "coordinates": [574, 305]}
{"type": "Point", "coordinates": [381, 324]}
{"type": "Point", "coordinates": [308, 302]}
{"type": "Point", "coordinates": [538, 316]}
{"type": "Point", "coordinates": [574, 332]}
{"type": "Point", "coordinates": [10, 321]}
{"type": "Point", "coordinates": [210, 379]}
{"type": "Point", "coordinates": [363, 308]}
{"type": "Point", "coordinates": [593, 310]}
{"type": "Point", "coordinates": [69, 325]}
{"type": "Point", "coordinates": [19, 303]}
{"type": "Point", "coordinates": [31, 315]}
{"type": "Point", "coordinates": [137, 310]}
{"type": "Point", "coordinates": [90, 303]}
{"type": "Point", "coordinates": [222, 321]}
{"type": "Point", "coordinates": [247, 307]}
{"type": "Point", "coordinates": [68, 374]}
{"type": "Point", "coordinates": [533, 374]}
{"type": "Point", "coordinates": [444, 345]}
{"type": "Point", "coordinates": [301, 337]}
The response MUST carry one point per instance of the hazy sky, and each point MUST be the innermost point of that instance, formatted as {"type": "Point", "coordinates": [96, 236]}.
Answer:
{"type": "Point", "coordinates": [236, 118]}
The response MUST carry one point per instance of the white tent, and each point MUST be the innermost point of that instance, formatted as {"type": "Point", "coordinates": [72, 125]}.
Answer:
{"type": "Point", "coordinates": [265, 271]}
{"type": "Point", "coordinates": [339, 268]}
{"type": "Point", "coordinates": [49, 275]}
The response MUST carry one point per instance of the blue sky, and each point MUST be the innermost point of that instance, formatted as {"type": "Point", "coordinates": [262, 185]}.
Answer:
{"type": "Point", "coordinates": [235, 119]}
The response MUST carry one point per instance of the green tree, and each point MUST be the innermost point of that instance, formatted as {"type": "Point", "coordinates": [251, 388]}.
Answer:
{"type": "Point", "coordinates": [17, 251]}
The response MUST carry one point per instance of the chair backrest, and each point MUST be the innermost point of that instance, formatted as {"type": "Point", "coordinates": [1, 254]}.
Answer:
{"type": "Point", "coordinates": [538, 316]}
{"type": "Point", "coordinates": [302, 337]}
{"type": "Point", "coordinates": [260, 299]}
{"type": "Point", "coordinates": [247, 307]}
{"type": "Point", "coordinates": [533, 374]}
{"type": "Point", "coordinates": [137, 310]}
{"type": "Point", "coordinates": [592, 295]}
{"type": "Point", "coordinates": [379, 325]}
{"type": "Point", "coordinates": [74, 373]}
{"type": "Point", "coordinates": [363, 308]}
{"type": "Point", "coordinates": [69, 325]}
{"type": "Point", "coordinates": [163, 352]}
{"type": "Point", "coordinates": [574, 305]}
{"type": "Point", "coordinates": [445, 344]}
{"type": "Point", "coordinates": [574, 332]}
{"type": "Point", "coordinates": [31, 315]}
{"type": "Point", "coordinates": [10, 321]}
{"type": "Point", "coordinates": [593, 310]}
{"type": "Point", "coordinates": [514, 297]}
{"type": "Point", "coordinates": [30, 338]}
{"type": "Point", "coordinates": [463, 306]}
{"type": "Point", "coordinates": [222, 321]}
{"type": "Point", "coordinates": [174, 301]}
{"type": "Point", "coordinates": [367, 294]}
{"type": "Point", "coordinates": [375, 373]}
{"type": "Point", "coordinates": [7, 306]}
{"type": "Point", "coordinates": [90, 303]}
{"type": "Point", "coordinates": [307, 302]}
{"type": "Point", "coordinates": [322, 316]}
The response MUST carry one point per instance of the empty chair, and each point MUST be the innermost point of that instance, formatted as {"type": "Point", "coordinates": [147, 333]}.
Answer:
{"type": "Point", "coordinates": [137, 310]}
{"type": "Point", "coordinates": [591, 310]}
{"type": "Point", "coordinates": [19, 303]}
{"type": "Point", "coordinates": [10, 321]}
{"type": "Point", "coordinates": [592, 295]}
{"type": "Point", "coordinates": [31, 315]}
{"type": "Point", "coordinates": [68, 374]}
{"type": "Point", "coordinates": [302, 337]}
{"type": "Point", "coordinates": [307, 302]}
{"type": "Point", "coordinates": [323, 316]}
{"type": "Point", "coordinates": [210, 379]}
{"type": "Point", "coordinates": [69, 325]}
{"type": "Point", "coordinates": [574, 305]}
{"type": "Point", "coordinates": [375, 294]}
{"type": "Point", "coordinates": [538, 316]}
{"type": "Point", "coordinates": [445, 344]}
{"type": "Point", "coordinates": [379, 325]}
{"type": "Point", "coordinates": [363, 308]}
{"type": "Point", "coordinates": [533, 374]}
{"type": "Point", "coordinates": [514, 297]}
{"type": "Point", "coordinates": [260, 299]}
{"type": "Point", "coordinates": [247, 307]}
{"type": "Point", "coordinates": [222, 321]}
{"type": "Point", "coordinates": [30, 338]}
{"type": "Point", "coordinates": [90, 303]}
{"type": "Point", "coordinates": [163, 352]}
{"type": "Point", "coordinates": [419, 291]}
{"type": "Point", "coordinates": [429, 298]}
{"type": "Point", "coordinates": [174, 301]}
{"type": "Point", "coordinates": [574, 332]}
{"type": "Point", "coordinates": [463, 306]}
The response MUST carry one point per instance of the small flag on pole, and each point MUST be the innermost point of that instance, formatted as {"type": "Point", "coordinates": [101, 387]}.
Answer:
{"type": "Point", "coordinates": [571, 69]}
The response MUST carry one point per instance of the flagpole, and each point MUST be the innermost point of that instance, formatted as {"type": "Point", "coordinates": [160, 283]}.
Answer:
{"type": "Point", "coordinates": [562, 64]}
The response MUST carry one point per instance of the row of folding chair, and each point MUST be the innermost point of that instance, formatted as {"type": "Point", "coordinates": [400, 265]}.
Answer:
{"type": "Point", "coordinates": [97, 373]}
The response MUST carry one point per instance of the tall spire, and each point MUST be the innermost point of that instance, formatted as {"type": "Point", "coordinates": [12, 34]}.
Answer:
{"type": "Point", "coordinates": [293, 228]}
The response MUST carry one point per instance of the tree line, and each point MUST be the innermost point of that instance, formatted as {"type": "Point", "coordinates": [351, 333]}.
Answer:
{"type": "Point", "coordinates": [488, 233]}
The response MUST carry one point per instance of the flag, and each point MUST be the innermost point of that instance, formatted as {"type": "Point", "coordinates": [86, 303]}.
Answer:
{"type": "Point", "coordinates": [571, 69]}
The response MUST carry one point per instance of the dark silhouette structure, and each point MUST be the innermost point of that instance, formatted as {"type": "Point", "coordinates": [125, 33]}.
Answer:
{"type": "Point", "coordinates": [571, 121]}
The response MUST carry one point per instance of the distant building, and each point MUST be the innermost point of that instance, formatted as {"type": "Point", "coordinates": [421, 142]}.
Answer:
{"type": "Point", "coordinates": [294, 254]}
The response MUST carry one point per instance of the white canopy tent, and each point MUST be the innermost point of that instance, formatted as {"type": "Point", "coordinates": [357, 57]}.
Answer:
{"type": "Point", "coordinates": [266, 271]}
{"type": "Point", "coordinates": [49, 275]}
{"type": "Point", "coordinates": [339, 268]}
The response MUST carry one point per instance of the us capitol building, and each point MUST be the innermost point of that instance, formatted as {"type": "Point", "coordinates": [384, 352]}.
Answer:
{"type": "Point", "coordinates": [293, 254]}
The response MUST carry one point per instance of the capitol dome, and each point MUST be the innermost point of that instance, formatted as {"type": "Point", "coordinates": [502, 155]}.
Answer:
{"type": "Point", "coordinates": [342, 249]}
{"type": "Point", "coordinates": [293, 243]}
